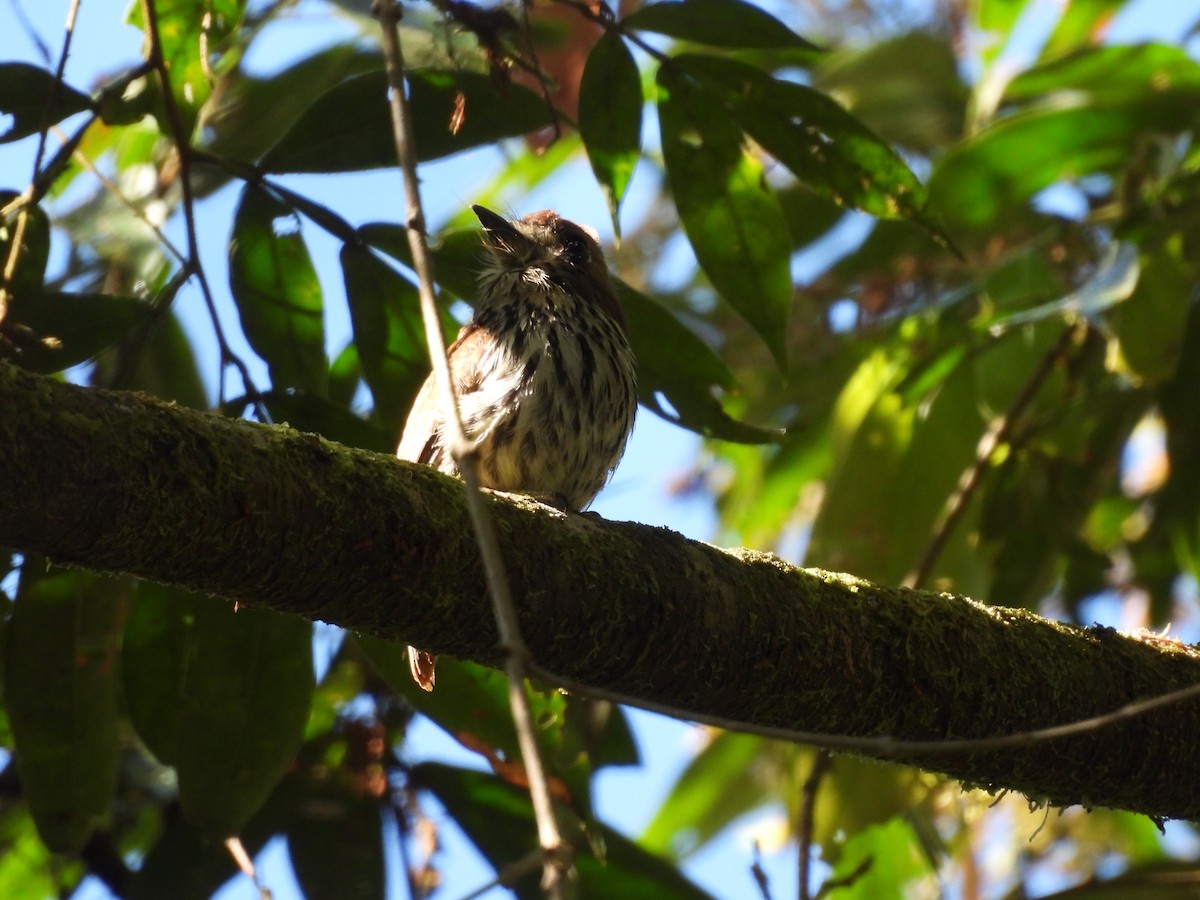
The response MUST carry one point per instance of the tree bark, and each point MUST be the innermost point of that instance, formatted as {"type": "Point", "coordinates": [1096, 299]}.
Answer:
{"type": "Point", "coordinates": [119, 482]}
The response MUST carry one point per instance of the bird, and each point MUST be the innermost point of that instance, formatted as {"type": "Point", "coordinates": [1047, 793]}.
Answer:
{"type": "Point", "coordinates": [543, 372]}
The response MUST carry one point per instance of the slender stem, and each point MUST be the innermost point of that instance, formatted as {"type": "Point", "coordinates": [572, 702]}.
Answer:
{"type": "Point", "coordinates": [555, 856]}
{"type": "Point", "coordinates": [602, 15]}
{"type": "Point", "coordinates": [880, 747]}
{"type": "Point", "coordinates": [115, 190]}
{"type": "Point", "coordinates": [805, 817]}
{"type": "Point", "coordinates": [400, 814]}
{"type": "Point", "coordinates": [509, 875]}
{"type": "Point", "coordinates": [192, 265]}
{"type": "Point", "coordinates": [997, 433]}
{"type": "Point", "coordinates": [14, 249]}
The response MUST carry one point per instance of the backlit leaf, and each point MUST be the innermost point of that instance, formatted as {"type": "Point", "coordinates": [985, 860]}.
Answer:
{"type": "Point", "coordinates": [385, 312]}
{"type": "Point", "coordinates": [277, 292]}
{"type": "Point", "coordinates": [806, 130]}
{"type": "Point", "coordinates": [729, 212]}
{"type": "Point", "coordinates": [191, 33]}
{"type": "Point", "coordinates": [610, 117]}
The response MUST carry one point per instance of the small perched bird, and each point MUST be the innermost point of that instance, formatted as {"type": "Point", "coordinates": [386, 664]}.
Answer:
{"type": "Point", "coordinates": [543, 372]}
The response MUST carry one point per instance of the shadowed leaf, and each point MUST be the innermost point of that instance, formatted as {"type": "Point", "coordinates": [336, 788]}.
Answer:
{"type": "Point", "coordinates": [610, 117]}
{"type": "Point", "coordinates": [729, 212]}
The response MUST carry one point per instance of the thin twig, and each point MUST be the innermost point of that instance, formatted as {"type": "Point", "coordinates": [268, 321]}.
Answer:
{"type": "Point", "coordinates": [759, 874]}
{"type": "Point", "coordinates": [880, 747]}
{"type": "Point", "coordinates": [510, 874]}
{"type": "Point", "coordinates": [31, 33]}
{"type": "Point", "coordinates": [115, 190]}
{"type": "Point", "coordinates": [605, 18]}
{"type": "Point", "coordinates": [182, 141]}
{"type": "Point", "coordinates": [996, 434]}
{"type": "Point", "coordinates": [400, 814]}
{"type": "Point", "coordinates": [846, 880]}
{"type": "Point", "coordinates": [14, 249]}
{"type": "Point", "coordinates": [243, 861]}
{"type": "Point", "coordinates": [555, 855]}
{"type": "Point", "coordinates": [487, 25]}
{"type": "Point", "coordinates": [804, 818]}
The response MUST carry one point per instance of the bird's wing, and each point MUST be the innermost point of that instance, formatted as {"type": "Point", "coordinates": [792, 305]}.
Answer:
{"type": "Point", "coordinates": [423, 428]}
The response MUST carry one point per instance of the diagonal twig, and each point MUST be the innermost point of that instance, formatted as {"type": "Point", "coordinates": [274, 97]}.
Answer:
{"type": "Point", "coordinates": [997, 434]}
{"type": "Point", "coordinates": [14, 249]}
{"type": "Point", "coordinates": [805, 818]}
{"type": "Point", "coordinates": [555, 854]}
{"type": "Point", "coordinates": [182, 141]}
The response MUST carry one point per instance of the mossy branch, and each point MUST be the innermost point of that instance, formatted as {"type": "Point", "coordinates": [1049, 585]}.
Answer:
{"type": "Point", "coordinates": [120, 482]}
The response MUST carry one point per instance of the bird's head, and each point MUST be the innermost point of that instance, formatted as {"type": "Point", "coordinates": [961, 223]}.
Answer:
{"type": "Point", "coordinates": [543, 247]}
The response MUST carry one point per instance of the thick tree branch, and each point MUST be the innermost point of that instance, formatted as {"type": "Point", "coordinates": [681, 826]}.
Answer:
{"type": "Point", "coordinates": [120, 482]}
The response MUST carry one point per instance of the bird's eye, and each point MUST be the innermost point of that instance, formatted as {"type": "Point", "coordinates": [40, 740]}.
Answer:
{"type": "Point", "coordinates": [575, 249]}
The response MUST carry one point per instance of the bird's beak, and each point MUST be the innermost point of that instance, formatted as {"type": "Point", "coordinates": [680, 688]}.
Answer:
{"type": "Point", "coordinates": [501, 233]}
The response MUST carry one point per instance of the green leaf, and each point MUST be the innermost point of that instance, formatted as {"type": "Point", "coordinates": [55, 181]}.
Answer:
{"type": "Point", "coordinates": [348, 129]}
{"type": "Point", "coordinates": [28, 870]}
{"type": "Point", "coordinates": [822, 144]}
{"type": "Point", "coordinates": [244, 699]}
{"type": "Point", "coordinates": [610, 117]}
{"type": "Point", "coordinates": [1083, 22]}
{"type": "Point", "coordinates": [277, 292]}
{"type": "Point", "coordinates": [987, 181]}
{"type": "Point", "coordinates": [385, 313]}
{"type": "Point", "coordinates": [880, 864]}
{"type": "Point", "coordinates": [191, 33]}
{"type": "Point", "coordinates": [335, 843]}
{"type": "Point", "coordinates": [995, 19]}
{"type": "Point", "coordinates": [184, 864]}
{"type": "Point", "coordinates": [718, 23]}
{"type": "Point", "coordinates": [718, 785]}
{"type": "Point", "coordinates": [61, 687]}
{"type": "Point", "coordinates": [602, 729]}
{"type": "Point", "coordinates": [897, 454]}
{"type": "Point", "coordinates": [908, 89]}
{"type": "Point", "coordinates": [457, 254]}
{"type": "Point", "coordinates": [252, 114]}
{"type": "Point", "coordinates": [728, 210]}
{"type": "Point", "coordinates": [470, 703]}
{"type": "Point", "coordinates": [153, 656]}
{"type": "Point", "coordinates": [499, 821]}
{"type": "Point", "coordinates": [345, 375]}
{"type": "Point", "coordinates": [1149, 326]}
{"type": "Point", "coordinates": [166, 365]}
{"type": "Point", "coordinates": [29, 102]}
{"type": "Point", "coordinates": [68, 329]}
{"type": "Point", "coordinates": [679, 376]}
{"type": "Point", "coordinates": [1156, 84]}
{"type": "Point", "coordinates": [35, 245]}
